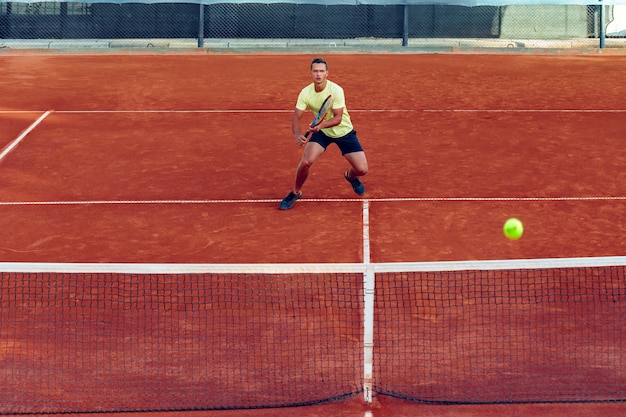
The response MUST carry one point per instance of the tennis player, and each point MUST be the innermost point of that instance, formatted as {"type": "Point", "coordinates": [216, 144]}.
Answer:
{"type": "Point", "coordinates": [335, 129]}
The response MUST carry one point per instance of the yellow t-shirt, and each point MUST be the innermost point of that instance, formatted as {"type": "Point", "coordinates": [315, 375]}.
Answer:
{"type": "Point", "coordinates": [312, 100]}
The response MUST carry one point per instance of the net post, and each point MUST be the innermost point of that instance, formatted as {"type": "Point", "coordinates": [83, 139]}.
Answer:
{"type": "Point", "coordinates": [368, 331]}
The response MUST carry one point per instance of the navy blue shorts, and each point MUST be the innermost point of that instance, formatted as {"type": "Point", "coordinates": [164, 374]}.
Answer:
{"type": "Point", "coordinates": [348, 143]}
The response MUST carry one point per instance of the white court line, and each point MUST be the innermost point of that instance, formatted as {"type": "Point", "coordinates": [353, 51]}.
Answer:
{"type": "Point", "coordinates": [369, 284]}
{"type": "Point", "coordinates": [225, 111]}
{"type": "Point", "coordinates": [589, 198]}
{"type": "Point", "coordinates": [19, 111]}
{"type": "Point", "coordinates": [304, 200]}
{"type": "Point", "coordinates": [526, 111]}
{"type": "Point", "coordinates": [23, 135]}
{"type": "Point", "coordinates": [206, 111]}
{"type": "Point", "coordinates": [366, 232]}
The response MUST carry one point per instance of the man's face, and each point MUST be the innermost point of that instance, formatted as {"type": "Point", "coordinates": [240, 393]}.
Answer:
{"type": "Point", "coordinates": [319, 73]}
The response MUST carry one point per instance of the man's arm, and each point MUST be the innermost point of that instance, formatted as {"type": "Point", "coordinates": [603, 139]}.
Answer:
{"type": "Point", "coordinates": [295, 126]}
{"type": "Point", "coordinates": [336, 119]}
{"type": "Point", "coordinates": [295, 122]}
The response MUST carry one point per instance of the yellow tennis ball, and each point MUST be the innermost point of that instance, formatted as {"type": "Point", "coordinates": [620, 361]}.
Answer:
{"type": "Point", "coordinates": [513, 228]}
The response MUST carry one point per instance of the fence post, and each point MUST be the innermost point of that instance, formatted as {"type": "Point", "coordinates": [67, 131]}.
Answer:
{"type": "Point", "coordinates": [201, 26]}
{"type": "Point", "coordinates": [405, 26]}
{"type": "Point", "coordinates": [602, 24]}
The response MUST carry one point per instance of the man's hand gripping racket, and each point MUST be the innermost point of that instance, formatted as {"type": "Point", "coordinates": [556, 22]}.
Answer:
{"type": "Point", "coordinates": [320, 116]}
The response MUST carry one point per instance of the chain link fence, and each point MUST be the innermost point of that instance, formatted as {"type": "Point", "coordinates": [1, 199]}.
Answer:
{"type": "Point", "coordinates": [280, 25]}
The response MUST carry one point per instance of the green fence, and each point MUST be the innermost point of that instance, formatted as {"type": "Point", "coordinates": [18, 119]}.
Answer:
{"type": "Point", "coordinates": [288, 24]}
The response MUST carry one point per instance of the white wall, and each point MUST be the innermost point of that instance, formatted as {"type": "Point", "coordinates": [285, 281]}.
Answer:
{"type": "Point", "coordinates": [617, 27]}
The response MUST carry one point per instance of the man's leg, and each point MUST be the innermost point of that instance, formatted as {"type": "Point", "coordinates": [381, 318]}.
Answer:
{"type": "Point", "coordinates": [358, 168]}
{"type": "Point", "coordinates": [312, 151]}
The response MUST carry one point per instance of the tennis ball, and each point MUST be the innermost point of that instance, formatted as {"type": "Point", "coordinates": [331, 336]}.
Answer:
{"type": "Point", "coordinates": [513, 228]}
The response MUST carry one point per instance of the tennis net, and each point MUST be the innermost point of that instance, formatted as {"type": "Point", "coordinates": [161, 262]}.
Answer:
{"type": "Point", "coordinates": [153, 337]}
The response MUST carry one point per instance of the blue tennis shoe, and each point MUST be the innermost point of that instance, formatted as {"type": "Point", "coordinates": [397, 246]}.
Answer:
{"type": "Point", "coordinates": [356, 183]}
{"type": "Point", "coordinates": [289, 200]}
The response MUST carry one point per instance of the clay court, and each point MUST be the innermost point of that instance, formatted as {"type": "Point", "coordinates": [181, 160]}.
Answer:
{"type": "Point", "coordinates": [183, 159]}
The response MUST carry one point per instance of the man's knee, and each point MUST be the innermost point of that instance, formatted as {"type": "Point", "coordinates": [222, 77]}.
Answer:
{"type": "Point", "coordinates": [306, 163]}
{"type": "Point", "coordinates": [360, 168]}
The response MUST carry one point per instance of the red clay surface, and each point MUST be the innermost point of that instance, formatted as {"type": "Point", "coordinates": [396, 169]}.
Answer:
{"type": "Point", "coordinates": [174, 138]}
{"type": "Point", "coordinates": [488, 126]}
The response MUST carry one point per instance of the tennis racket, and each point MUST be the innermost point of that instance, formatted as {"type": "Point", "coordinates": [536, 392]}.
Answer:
{"type": "Point", "coordinates": [321, 114]}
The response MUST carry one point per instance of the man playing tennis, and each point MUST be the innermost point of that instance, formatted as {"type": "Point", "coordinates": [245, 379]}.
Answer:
{"type": "Point", "coordinates": [335, 128]}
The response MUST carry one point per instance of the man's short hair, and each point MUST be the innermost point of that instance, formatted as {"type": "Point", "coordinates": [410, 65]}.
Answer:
{"type": "Point", "coordinates": [319, 60]}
